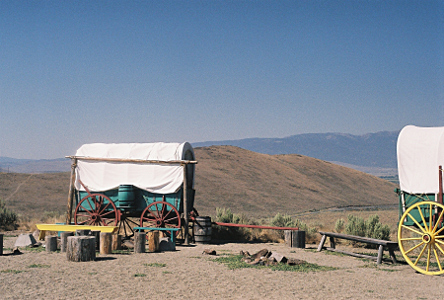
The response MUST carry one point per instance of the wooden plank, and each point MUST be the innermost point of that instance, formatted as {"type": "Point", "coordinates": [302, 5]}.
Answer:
{"type": "Point", "coordinates": [73, 228]}
{"type": "Point", "coordinates": [359, 238]}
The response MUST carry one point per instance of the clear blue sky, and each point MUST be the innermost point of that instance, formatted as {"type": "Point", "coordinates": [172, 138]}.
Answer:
{"type": "Point", "coordinates": [76, 72]}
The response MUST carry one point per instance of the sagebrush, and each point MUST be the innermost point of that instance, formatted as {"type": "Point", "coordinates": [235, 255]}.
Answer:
{"type": "Point", "coordinates": [8, 218]}
{"type": "Point", "coordinates": [371, 228]}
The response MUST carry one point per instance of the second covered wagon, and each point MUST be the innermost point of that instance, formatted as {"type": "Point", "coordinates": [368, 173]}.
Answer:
{"type": "Point", "coordinates": [132, 184]}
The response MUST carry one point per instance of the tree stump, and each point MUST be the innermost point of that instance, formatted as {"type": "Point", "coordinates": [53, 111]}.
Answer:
{"type": "Point", "coordinates": [139, 242]}
{"type": "Point", "coordinates": [116, 242]}
{"type": "Point", "coordinates": [64, 240]}
{"type": "Point", "coordinates": [295, 238]}
{"type": "Point", "coordinates": [81, 248]}
{"type": "Point", "coordinates": [105, 243]}
{"type": "Point", "coordinates": [51, 243]}
{"type": "Point", "coordinates": [153, 241]}
{"type": "Point", "coordinates": [1, 244]}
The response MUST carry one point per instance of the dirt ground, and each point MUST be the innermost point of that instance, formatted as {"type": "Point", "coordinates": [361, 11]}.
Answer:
{"type": "Point", "coordinates": [188, 274]}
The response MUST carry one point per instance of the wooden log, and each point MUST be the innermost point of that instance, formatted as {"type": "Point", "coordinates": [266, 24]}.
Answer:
{"type": "Point", "coordinates": [81, 248]}
{"type": "Point", "coordinates": [105, 243]}
{"type": "Point", "coordinates": [51, 243]}
{"type": "Point", "coordinates": [1, 244]}
{"type": "Point", "coordinates": [64, 240]}
{"type": "Point", "coordinates": [83, 232]}
{"type": "Point", "coordinates": [96, 234]}
{"type": "Point", "coordinates": [139, 242]}
{"type": "Point", "coordinates": [153, 241]}
{"type": "Point", "coordinates": [116, 243]}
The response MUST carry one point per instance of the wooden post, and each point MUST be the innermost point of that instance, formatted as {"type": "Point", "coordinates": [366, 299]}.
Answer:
{"type": "Point", "coordinates": [139, 242]}
{"type": "Point", "coordinates": [1, 244]}
{"type": "Point", "coordinates": [105, 243]}
{"type": "Point", "coordinates": [185, 204]}
{"type": "Point", "coordinates": [116, 242]}
{"type": "Point", "coordinates": [64, 240]}
{"type": "Point", "coordinates": [295, 238]}
{"type": "Point", "coordinates": [81, 248]}
{"type": "Point", "coordinates": [71, 190]}
{"type": "Point", "coordinates": [51, 243]}
{"type": "Point", "coordinates": [153, 241]}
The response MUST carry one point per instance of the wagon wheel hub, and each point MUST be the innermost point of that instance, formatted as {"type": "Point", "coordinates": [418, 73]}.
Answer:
{"type": "Point", "coordinates": [159, 223]}
{"type": "Point", "coordinates": [428, 238]}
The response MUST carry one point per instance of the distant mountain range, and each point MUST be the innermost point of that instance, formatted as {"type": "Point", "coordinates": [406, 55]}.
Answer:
{"type": "Point", "coordinates": [373, 153]}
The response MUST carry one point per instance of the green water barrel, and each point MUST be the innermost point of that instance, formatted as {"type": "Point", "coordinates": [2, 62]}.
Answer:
{"type": "Point", "coordinates": [126, 196]}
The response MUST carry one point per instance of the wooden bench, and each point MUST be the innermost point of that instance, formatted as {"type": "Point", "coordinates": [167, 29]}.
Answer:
{"type": "Point", "coordinates": [391, 246]}
{"type": "Point", "coordinates": [62, 227]}
{"type": "Point", "coordinates": [171, 230]}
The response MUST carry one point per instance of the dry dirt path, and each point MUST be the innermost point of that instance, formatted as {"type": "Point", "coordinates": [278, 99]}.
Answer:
{"type": "Point", "coordinates": [188, 274]}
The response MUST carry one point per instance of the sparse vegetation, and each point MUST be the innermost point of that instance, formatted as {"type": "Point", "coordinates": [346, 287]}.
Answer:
{"type": "Point", "coordinates": [235, 262]}
{"type": "Point", "coordinates": [8, 218]}
{"type": "Point", "coordinates": [339, 226]}
{"type": "Point", "coordinates": [157, 265]}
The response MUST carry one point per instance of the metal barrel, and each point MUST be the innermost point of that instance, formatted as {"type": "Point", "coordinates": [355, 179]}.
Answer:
{"type": "Point", "coordinates": [126, 196]}
{"type": "Point", "coordinates": [202, 230]}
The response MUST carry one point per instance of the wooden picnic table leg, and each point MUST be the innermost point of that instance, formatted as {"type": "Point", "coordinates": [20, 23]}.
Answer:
{"type": "Point", "coordinates": [380, 254]}
{"type": "Point", "coordinates": [321, 244]}
{"type": "Point", "coordinates": [393, 256]}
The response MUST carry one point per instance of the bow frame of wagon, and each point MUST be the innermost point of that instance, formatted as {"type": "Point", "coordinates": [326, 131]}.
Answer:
{"type": "Point", "coordinates": [133, 207]}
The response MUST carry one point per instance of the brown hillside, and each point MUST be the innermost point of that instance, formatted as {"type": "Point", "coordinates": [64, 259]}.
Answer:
{"type": "Point", "coordinates": [262, 185]}
{"type": "Point", "coordinates": [258, 185]}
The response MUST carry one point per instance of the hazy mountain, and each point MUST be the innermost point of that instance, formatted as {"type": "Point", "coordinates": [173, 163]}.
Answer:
{"type": "Point", "coordinates": [368, 150]}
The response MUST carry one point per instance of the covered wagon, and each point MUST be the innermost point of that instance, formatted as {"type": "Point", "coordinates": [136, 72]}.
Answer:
{"type": "Point", "coordinates": [420, 152]}
{"type": "Point", "coordinates": [133, 184]}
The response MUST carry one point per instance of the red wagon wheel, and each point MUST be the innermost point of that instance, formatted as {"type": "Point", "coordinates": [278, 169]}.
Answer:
{"type": "Point", "coordinates": [160, 214]}
{"type": "Point", "coordinates": [96, 210]}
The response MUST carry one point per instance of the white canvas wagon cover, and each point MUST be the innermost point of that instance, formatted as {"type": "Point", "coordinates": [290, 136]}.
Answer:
{"type": "Point", "coordinates": [420, 153]}
{"type": "Point", "coordinates": [101, 175]}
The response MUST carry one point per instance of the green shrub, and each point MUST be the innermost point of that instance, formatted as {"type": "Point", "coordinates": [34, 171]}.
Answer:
{"type": "Point", "coordinates": [340, 224]}
{"type": "Point", "coordinates": [371, 228]}
{"type": "Point", "coordinates": [355, 226]}
{"type": "Point", "coordinates": [8, 218]}
{"type": "Point", "coordinates": [224, 215]}
{"type": "Point", "coordinates": [287, 221]}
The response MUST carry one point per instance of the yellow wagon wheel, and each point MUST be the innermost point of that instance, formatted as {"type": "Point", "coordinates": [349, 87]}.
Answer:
{"type": "Point", "coordinates": [421, 237]}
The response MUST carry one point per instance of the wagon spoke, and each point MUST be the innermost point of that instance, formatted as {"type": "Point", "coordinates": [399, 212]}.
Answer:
{"type": "Point", "coordinates": [437, 258]}
{"type": "Point", "coordinates": [413, 248]}
{"type": "Point", "coordinates": [173, 218]}
{"type": "Point", "coordinates": [428, 258]}
{"type": "Point", "coordinates": [437, 222]}
{"type": "Point", "coordinates": [107, 213]}
{"type": "Point", "coordinates": [86, 209]}
{"type": "Point", "coordinates": [411, 229]}
{"type": "Point", "coordinates": [106, 206]}
{"type": "Point", "coordinates": [422, 218]}
{"type": "Point", "coordinates": [420, 254]}
{"type": "Point", "coordinates": [410, 239]}
{"type": "Point", "coordinates": [439, 247]}
{"type": "Point", "coordinates": [439, 241]}
{"type": "Point", "coordinates": [417, 224]}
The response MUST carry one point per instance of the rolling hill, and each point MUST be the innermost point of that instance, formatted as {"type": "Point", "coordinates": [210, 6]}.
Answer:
{"type": "Point", "coordinates": [259, 185]}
